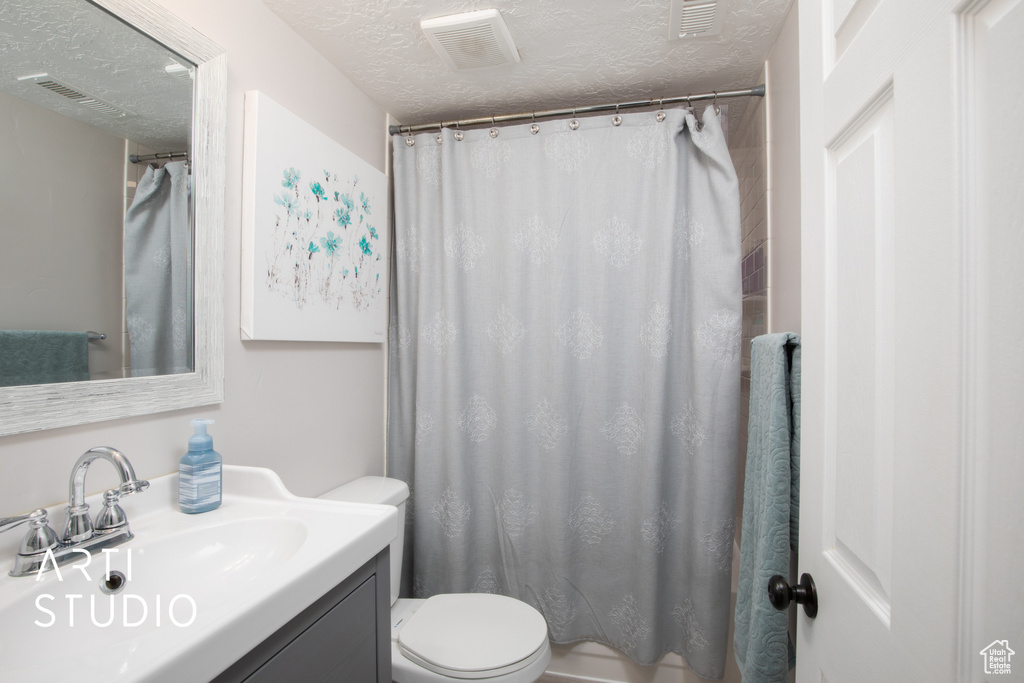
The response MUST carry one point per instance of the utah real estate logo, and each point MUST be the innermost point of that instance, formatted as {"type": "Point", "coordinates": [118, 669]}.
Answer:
{"type": "Point", "coordinates": [997, 657]}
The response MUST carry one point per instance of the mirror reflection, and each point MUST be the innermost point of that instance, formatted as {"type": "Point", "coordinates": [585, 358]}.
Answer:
{"type": "Point", "coordinates": [97, 218]}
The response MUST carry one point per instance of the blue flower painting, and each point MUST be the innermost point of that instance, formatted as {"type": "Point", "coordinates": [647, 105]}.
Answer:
{"type": "Point", "coordinates": [291, 178]}
{"type": "Point", "coordinates": [341, 267]}
{"type": "Point", "coordinates": [315, 242]}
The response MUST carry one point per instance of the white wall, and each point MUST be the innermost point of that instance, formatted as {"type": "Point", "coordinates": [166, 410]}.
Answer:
{"type": "Point", "coordinates": [313, 412]}
{"type": "Point", "coordinates": [60, 265]}
{"type": "Point", "coordinates": [783, 72]}
{"type": "Point", "coordinates": [783, 104]}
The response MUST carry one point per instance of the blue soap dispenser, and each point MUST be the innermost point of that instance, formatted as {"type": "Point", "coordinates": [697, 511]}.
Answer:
{"type": "Point", "coordinates": [199, 472]}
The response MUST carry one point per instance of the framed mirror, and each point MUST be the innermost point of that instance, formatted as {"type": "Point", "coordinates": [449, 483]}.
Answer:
{"type": "Point", "coordinates": [132, 80]}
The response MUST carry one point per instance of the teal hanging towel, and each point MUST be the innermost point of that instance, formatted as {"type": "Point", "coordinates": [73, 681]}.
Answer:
{"type": "Point", "coordinates": [771, 504]}
{"type": "Point", "coordinates": [43, 357]}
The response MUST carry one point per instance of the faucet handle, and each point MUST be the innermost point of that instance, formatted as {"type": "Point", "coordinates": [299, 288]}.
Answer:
{"type": "Point", "coordinates": [133, 486]}
{"type": "Point", "coordinates": [111, 516]}
{"type": "Point", "coordinates": [11, 522]}
{"type": "Point", "coordinates": [40, 536]}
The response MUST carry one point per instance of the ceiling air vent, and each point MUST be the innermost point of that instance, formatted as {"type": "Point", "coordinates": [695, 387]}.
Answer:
{"type": "Point", "coordinates": [65, 90]}
{"type": "Point", "coordinates": [180, 70]}
{"type": "Point", "coordinates": [695, 18]}
{"type": "Point", "coordinates": [471, 40]}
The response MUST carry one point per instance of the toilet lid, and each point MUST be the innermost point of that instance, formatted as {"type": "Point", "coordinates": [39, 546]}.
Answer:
{"type": "Point", "coordinates": [473, 635]}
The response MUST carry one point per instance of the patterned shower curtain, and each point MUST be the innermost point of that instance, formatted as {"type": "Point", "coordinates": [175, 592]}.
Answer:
{"type": "Point", "coordinates": [564, 378]}
{"type": "Point", "coordinates": [158, 272]}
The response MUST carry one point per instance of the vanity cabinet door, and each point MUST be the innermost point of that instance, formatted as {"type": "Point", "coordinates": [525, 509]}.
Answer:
{"type": "Point", "coordinates": [345, 636]}
{"type": "Point", "coordinates": [338, 647]}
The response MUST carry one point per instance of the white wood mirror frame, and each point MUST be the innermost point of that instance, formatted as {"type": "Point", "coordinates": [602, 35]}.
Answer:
{"type": "Point", "coordinates": [46, 406]}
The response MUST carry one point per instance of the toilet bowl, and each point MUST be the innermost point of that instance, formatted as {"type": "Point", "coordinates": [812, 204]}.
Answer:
{"type": "Point", "coordinates": [456, 636]}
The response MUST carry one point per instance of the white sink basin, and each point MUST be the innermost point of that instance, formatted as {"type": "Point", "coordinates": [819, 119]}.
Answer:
{"type": "Point", "coordinates": [200, 590]}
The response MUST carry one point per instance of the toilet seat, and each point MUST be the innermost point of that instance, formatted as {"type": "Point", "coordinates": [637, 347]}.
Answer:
{"type": "Point", "coordinates": [473, 636]}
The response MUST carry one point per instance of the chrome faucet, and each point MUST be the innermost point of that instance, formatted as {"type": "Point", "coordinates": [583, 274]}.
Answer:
{"type": "Point", "coordinates": [79, 527]}
{"type": "Point", "coordinates": [80, 534]}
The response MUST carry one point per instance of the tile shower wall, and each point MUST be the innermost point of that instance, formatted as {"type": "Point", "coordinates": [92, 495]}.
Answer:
{"type": "Point", "coordinates": [750, 157]}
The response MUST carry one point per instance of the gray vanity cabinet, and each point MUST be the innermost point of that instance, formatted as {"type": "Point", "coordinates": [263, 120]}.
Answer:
{"type": "Point", "coordinates": [343, 636]}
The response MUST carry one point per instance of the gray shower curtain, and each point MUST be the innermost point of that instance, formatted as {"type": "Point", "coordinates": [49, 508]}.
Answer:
{"type": "Point", "coordinates": [158, 272]}
{"type": "Point", "coordinates": [564, 374]}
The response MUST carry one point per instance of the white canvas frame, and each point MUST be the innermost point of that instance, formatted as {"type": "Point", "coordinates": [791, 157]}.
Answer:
{"type": "Point", "coordinates": [302, 249]}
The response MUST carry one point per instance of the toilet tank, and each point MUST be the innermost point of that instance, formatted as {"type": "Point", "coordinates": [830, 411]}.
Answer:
{"type": "Point", "coordinates": [380, 491]}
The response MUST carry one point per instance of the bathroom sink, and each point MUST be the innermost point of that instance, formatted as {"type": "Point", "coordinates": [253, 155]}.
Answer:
{"type": "Point", "coordinates": [199, 591]}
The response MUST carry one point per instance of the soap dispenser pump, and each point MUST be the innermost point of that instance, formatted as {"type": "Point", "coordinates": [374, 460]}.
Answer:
{"type": "Point", "coordinates": [199, 472]}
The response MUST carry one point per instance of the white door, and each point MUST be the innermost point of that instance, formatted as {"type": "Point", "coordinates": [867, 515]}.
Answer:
{"type": "Point", "coordinates": [913, 320]}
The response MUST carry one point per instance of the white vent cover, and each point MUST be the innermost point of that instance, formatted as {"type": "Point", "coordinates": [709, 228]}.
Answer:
{"type": "Point", "coordinates": [695, 18]}
{"type": "Point", "coordinates": [180, 70]}
{"type": "Point", "coordinates": [471, 40]}
{"type": "Point", "coordinates": [65, 90]}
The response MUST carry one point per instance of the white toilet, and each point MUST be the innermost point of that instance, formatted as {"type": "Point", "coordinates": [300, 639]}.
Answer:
{"type": "Point", "coordinates": [462, 636]}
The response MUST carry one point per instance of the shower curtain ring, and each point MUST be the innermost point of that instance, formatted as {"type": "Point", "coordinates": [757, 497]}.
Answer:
{"type": "Point", "coordinates": [616, 120]}
{"type": "Point", "coordinates": [660, 116]}
{"type": "Point", "coordinates": [440, 132]}
{"type": "Point", "coordinates": [493, 132]}
{"type": "Point", "coordinates": [574, 124]}
{"type": "Point", "coordinates": [534, 128]}
{"type": "Point", "coordinates": [714, 103]}
{"type": "Point", "coordinates": [458, 135]}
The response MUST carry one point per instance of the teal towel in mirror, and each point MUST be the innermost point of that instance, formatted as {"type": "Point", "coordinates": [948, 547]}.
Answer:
{"type": "Point", "coordinates": [770, 507]}
{"type": "Point", "coordinates": [42, 357]}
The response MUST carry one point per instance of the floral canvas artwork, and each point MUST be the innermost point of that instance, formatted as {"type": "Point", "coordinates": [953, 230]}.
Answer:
{"type": "Point", "coordinates": [322, 239]}
{"type": "Point", "coordinates": [315, 228]}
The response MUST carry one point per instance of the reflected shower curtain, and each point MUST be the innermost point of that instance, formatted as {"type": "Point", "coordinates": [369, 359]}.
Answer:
{"type": "Point", "coordinates": [158, 272]}
{"type": "Point", "coordinates": [564, 378]}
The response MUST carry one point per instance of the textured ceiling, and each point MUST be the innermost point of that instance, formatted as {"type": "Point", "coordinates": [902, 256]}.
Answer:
{"type": "Point", "coordinates": [87, 49]}
{"type": "Point", "coordinates": [574, 53]}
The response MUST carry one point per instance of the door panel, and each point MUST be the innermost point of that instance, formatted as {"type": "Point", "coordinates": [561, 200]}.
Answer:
{"type": "Point", "coordinates": [992, 35]}
{"type": "Point", "coordinates": [860, 461]}
{"type": "Point", "coordinates": [848, 18]}
{"type": "Point", "coordinates": [883, 325]}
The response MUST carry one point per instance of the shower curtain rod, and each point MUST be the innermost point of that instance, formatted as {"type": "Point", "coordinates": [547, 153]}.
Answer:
{"type": "Point", "coordinates": [136, 158]}
{"type": "Point", "coordinates": [756, 91]}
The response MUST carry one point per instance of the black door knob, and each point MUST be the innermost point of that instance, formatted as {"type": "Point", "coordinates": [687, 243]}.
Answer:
{"type": "Point", "coordinates": [780, 594]}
